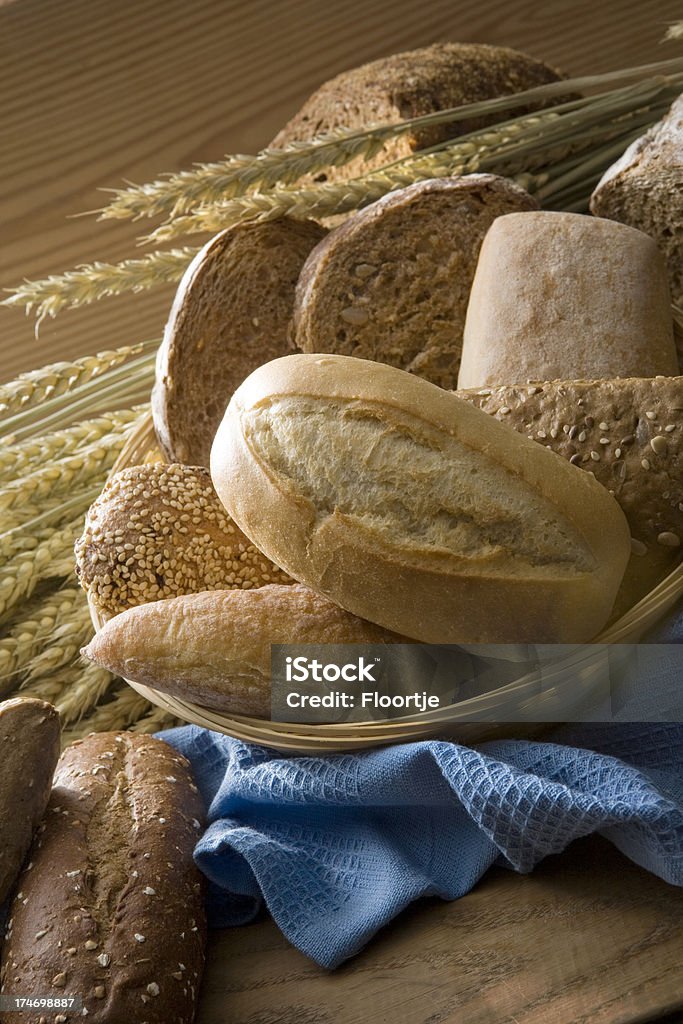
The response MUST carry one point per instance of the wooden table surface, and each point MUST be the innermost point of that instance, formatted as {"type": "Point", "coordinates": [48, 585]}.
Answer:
{"type": "Point", "coordinates": [96, 91]}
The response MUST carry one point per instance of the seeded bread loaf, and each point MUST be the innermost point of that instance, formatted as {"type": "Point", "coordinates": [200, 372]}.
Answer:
{"type": "Point", "coordinates": [628, 433]}
{"type": "Point", "coordinates": [159, 530]}
{"type": "Point", "coordinates": [230, 314]}
{"type": "Point", "coordinates": [411, 508]}
{"type": "Point", "coordinates": [560, 296]}
{"type": "Point", "coordinates": [214, 649]}
{"type": "Point", "coordinates": [111, 907]}
{"type": "Point", "coordinates": [409, 84]}
{"type": "Point", "coordinates": [644, 188]}
{"type": "Point", "coordinates": [392, 282]}
{"type": "Point", "coordinates": [29, 749]}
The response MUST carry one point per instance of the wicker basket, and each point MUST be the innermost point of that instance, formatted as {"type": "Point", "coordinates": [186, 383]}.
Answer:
{"type": "Point", "coordinates": [570, 683]}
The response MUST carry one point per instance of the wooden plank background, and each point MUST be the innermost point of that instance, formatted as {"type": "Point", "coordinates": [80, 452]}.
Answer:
{"type": "Point", "coordinates": [95, 92]}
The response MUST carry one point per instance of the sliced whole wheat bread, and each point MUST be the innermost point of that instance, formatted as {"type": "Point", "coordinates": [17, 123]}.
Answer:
{"type": "Point", "coordinates": [410, 84]}
{"type": "Point", "coordinates": [392, 282]}
{"type": "Point", "coordinates": [644, 188]}
{"type": "Point", "coordinates": [230, 314]}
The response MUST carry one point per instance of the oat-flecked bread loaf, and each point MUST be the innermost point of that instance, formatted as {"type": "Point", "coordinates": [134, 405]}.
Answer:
{"type": "Point", "coordinates": [214, 648]}
{"type": "Point", "coordinates": [409, 84]}
{"type": "Point", "coordinates": [561, 296]}
{"type": "Point", "coordinates": [230, 314]}
{"type": "Point", "coordinates": [29, 749]}
{"type": "Point", "coordinates": [644, 188]}
{"type": "Point", "coordinates": [160, 530]}
{"type": "Point", "coordinates": [111, 907]}
{"type": "Point", "coordinates": [392, 282]}
{"type": "Point", "coordinates": [415, 510]}
{"type": "Point", "coordinates": [628, 433]}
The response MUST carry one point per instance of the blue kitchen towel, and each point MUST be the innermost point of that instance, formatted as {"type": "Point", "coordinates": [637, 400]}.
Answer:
{"type": "Point", "coordinates": [338, 845]}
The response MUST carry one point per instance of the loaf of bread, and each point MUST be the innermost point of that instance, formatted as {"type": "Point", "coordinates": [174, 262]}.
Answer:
{"type": "Point", "coordinates": [644, 188]}
{"type": "Point", "coordinates": [230, 314]}
{"type": "Point", "coordinates": [160, 530]}
{"type": "Point", "coordinates": [214, 648]}
{"type": "Point", "coordinates": [560, 296]}
{"type": "Point", "coordinates": [410, 84]}
{"type": "Point", "coordinates": [413, 509]}
{"type": "Point", "coordinates": [392, 282]}
{"type": "Point", "coordinates": [627, 433]}
{"type": "Point", "coordinates": [29, 749]}
{"type": "Point", "coordinates": [110, 908]}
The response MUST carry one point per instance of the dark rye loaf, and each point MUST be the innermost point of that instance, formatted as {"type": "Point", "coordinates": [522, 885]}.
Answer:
{"type": "Point", "coordinates": [110, 907]}
{"type": "Point", "coordinates": [230, 314]}
{"type": "Point", "coordinates": [644, 188]}
{"type": "Point", "coordinates": [29, 749]}
{"type": "Point", "coordinates": [392, 282]}
{"type": "Point", "coordinates": [410, 84]}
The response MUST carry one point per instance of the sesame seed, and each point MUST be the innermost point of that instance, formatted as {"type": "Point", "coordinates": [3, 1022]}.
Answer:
{"type": "Point", "coordinates": [582, 435]}
{"type": "Point", "coordinates": [59, 980]}
{"type": "Point", "coordinates": [595, 457]}
{"type": "Point", "coordinates": [104, 959]}
{"type": "Point", "coordinates": [603, 426]}
{"type": "Point", "coordinates": [504, 410]}
{"type": "Point", "coordinates": [659, 445]}
{"type": "Point", "coordinates": [99, 992]}
{"type": "Point", "coordinates": [617, 453]}
{"type": "Point", "coordinates": [651, 415]}
{"type": "Point", "coordinates": [645, 463]}
{"type": "Point", "coordinates": [149, 891]}
{"type": "Point", "coordinates": [153, 988]}
{"type": "Point", "coordinates": [89, 945]}
{"type": "Point", "coordinates": [670, 427]}
{"type": "Point", "coordinates": [668, 539]}
{"type": "Point", "coordinates": [604, 440]}
{"type": "Point", "coordinates": [637, 547]}
{"type": "Point", "coordinates": [138, 937]}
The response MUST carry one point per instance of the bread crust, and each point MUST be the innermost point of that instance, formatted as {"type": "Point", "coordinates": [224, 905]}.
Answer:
{"type": "Point", "coordinates": [231, 313]}
{"type": "Point", "coordinates": [410, 84]}
{"type": "Point", "coordinates": [564, 296]}
{"type": "Point", "coordinates": [29, 749]}
{"type": "Point", "coordinates": [419, 588]}
{"type": "Point", "coordinates": [644, 188]}
{"type": "Point", "coordinates": [214, 648]}
{"type": "Point", "coordinates": [111, 908]}
{"type": "Point", "coordinates": [392, 282]}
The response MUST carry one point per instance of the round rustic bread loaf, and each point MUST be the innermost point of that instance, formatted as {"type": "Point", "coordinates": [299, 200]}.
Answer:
{"type": "Point", "coordinates": [159, 530]}
{"type": "Point", "coordinates": [392, 282]}
{"type": "Point", "coordinates": [230, 314]}
{"type": "Point", "coordinates": [410, 84]}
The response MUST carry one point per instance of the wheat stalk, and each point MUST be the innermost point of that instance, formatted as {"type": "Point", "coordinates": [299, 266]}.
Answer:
{"type": "Point", "coordinates": [66, 639]}
{"type": "Point", "coordinates": [26, 527]}
{"type": "Point", "coordinates": [34, 387]}
{"type": "Point", "coordinates": [85, 686]}
{"type": "Point", "coordinates": [94, 281]}
{"type": "Point", "coordinates": [126, 707]}
{"type": "Point", "coordinates": [208, 183]}
{"type": "Point", "coordinates": [26, 636]}
{"type": "Point", "coordinates": [47, 689]}
{"type": "Point", "coordinates": [52, 558]}
{"type": "Point", "coordinates": [63, 475]}
{"type": "Point", "coordinates": [26, 456]}
{"type": "Point", "coordinates": [155, 721]}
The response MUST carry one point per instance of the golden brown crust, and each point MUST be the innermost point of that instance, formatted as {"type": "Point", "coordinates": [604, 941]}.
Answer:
{"type": "Point", "coordinates": [415, 510]}
{"type": "Point", "coordinates": [29, 749]}
{"type": "Point", "coordinates": [392, 282]}
{"type": "Point", "coordinates": [230, 314]}
{"type": "Point", "coordinates": [160, 530]}
{"type": "Point", "coordinates": [214, 648]}
{"type": "Point", "coordinates": [111, 908]}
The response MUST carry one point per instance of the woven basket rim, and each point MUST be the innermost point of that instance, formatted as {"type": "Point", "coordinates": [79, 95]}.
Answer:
{"type": "Point", "coordinates": [291, 737]}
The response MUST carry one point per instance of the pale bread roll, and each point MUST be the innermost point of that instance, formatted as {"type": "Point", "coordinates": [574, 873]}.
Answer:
{"type": "Point", "coordinates": [412, 509]}
{"type": "Point", "coordinates": [563, 296]}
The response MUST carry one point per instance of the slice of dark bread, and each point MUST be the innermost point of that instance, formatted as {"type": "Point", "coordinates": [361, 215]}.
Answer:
{"type": "Point", "coordinates": [392, 282]}
{"type": "Point", "coordinates": [644, 188]}
{"type": "Point", "coordinates": [410, 84]}
{"type": "Point", "coordinates": [230, 314]}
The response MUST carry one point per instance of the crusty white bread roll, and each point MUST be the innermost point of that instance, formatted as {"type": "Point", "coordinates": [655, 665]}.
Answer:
{"type": "Point", "coordinates": [411, 508]}
{"type": "Point", "coordinates": [564, 296]}
{"type": "Point", "coordinates": [214, 648]}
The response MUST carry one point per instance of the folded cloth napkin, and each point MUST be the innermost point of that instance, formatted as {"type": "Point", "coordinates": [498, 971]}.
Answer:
{"type": "Point", "coordinates": [338, 845]}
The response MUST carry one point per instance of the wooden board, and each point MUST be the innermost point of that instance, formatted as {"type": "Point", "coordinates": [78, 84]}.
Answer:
{"type": "Point", "coordinates": [588, 938]}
